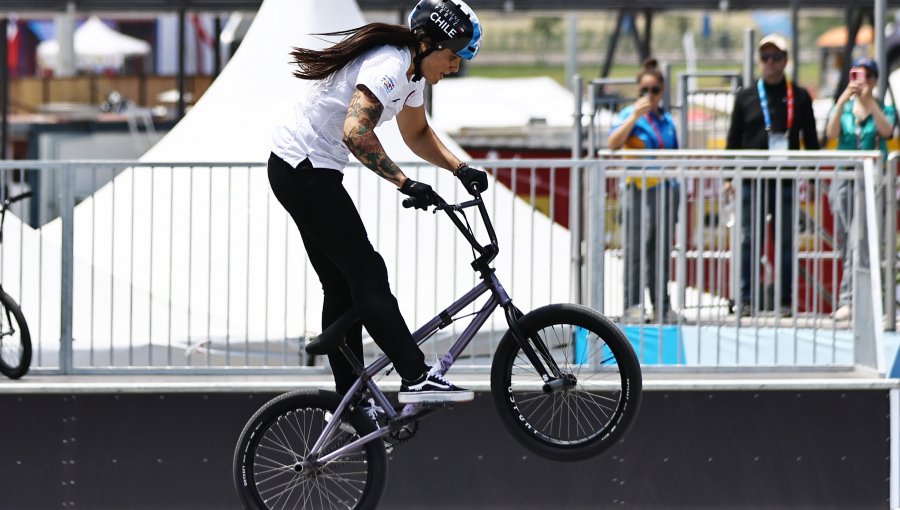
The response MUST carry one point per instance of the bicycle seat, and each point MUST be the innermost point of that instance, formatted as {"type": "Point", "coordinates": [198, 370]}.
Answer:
{"type": "Point", "coordinates": [330, 340]}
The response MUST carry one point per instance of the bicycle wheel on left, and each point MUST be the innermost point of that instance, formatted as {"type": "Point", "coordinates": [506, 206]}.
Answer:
{"type": "Point", "coordinates": [15, 340]}
{"type": "Point", "coordinates": [270, 460]}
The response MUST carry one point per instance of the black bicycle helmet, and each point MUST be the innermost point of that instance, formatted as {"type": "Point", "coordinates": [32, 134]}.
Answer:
{"type": "Point", "coordinates": [449, 24]}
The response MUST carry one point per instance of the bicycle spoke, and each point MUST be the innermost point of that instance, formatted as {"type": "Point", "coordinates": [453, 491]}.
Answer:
{"type": "Point", "coordinates": [571, 415]}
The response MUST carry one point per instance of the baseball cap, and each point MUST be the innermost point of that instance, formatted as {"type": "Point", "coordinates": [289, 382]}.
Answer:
{"type": "Point", "coordinates": [775, 40]}
{"type": "Point", "coordinates": [868, 63]}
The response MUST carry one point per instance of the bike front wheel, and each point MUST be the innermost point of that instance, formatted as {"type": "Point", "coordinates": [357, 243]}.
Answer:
{"type": "Point", "coordinates": [602, 389]}
{"type": "Point", "coordinates": [269, 467]}
{"type": "Point", "coordinates": [15, 340]}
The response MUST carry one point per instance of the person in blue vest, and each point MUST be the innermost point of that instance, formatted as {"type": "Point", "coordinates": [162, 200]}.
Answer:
{"type": "Point", "coordinates": [771, 114]}
{"type": "Point", "coordinates": [858, 121]}
{"type": "Point", "coordinates": [650, 205]}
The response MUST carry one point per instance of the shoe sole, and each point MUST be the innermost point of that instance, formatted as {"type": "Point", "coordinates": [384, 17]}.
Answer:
{"type": "Point", "coordinates": [436, 397]}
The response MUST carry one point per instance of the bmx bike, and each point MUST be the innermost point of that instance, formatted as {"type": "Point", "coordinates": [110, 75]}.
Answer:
{"type": "Point", "coordinates": [564, 379]}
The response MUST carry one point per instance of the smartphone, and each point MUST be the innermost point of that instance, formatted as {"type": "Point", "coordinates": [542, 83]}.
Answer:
{"type": "Point", "coordinates": [857, 75]}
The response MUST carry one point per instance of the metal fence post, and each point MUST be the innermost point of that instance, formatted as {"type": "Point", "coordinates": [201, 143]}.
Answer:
{"type": "Point", "coordinates": [593, 141]}
{"type": "Point", "coordinates": [749, 52]}
{"type": "Point", "coordinates": [667, 91]}
{"type": "Point", "coordinates": [596, 228]}
{"type": "Point", "coordinates": [868, 332]}
{"type": "Point", "coordinates": [577, 132]}
{"type": "Point", "coordinates": [575, 185]}
{"type": "Point", "coordinates": [683, 114]}
{"type": "Point", "coordinates": [890, 241]}
{"type": "Point", "coordinates": [67, 215]}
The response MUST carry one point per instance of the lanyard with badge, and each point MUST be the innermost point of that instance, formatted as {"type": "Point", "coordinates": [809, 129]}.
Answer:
{"type": "Point", "coordinates": [660, 141]}
{"type": "Point", "coordinates": [777, 141]}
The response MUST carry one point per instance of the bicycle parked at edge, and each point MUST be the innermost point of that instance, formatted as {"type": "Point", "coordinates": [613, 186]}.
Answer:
{"type": "Point", "coordinates": [565, 382]}
{"type": "Point", "coordinates": [15, 340]}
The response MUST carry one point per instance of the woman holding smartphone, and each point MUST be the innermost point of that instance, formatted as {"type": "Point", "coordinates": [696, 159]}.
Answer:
{"type": "Point", "coordinates": [650, 204]}
{"type": "Point", "coordinates": [858, 122]}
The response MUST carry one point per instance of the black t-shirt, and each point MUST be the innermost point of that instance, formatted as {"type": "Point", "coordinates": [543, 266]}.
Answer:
{"type": "Point", "coordinates": [748, 126]}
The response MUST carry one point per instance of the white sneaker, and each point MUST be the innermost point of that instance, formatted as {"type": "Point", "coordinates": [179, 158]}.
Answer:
{"type": "Point", "coordinates": [432, 387]}
{"type": "Point", "coordinates": [843, 313]}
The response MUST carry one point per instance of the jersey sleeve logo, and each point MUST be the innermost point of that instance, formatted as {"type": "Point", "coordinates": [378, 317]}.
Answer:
{"type": "Point", "coordinates": [388, 83]}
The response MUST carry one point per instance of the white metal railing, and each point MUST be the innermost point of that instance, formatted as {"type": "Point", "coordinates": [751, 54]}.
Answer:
{"type": "Point", "coordinates": [719, 201]}
{"type": "Point", "coordinates": [194, 267]}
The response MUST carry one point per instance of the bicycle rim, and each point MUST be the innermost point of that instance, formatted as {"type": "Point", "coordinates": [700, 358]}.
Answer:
{"type": "Point", "coordinates": [269, 469]}
{"type": "Point", "coordinates": [574, 416]}
{"type": "Point", "coordinates": [15, 340]}
{"type": "Point", "coordinates": [590, 413]}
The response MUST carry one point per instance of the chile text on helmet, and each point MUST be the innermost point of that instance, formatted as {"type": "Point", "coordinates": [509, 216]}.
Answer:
{"type": "Point", "coordinates": [446, 19]}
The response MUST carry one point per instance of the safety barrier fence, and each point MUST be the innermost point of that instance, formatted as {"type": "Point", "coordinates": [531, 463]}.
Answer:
{"type": "Point", "coordinates": [195, 268]}
{"type": "Point", "coordinates": [751, 249]}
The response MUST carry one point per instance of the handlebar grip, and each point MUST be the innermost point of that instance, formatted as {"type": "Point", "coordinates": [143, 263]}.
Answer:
{"type": "Point", "coordinates": [408, 203]}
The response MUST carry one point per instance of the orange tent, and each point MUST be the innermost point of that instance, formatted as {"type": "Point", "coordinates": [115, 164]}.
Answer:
{"type": "Point", "coordinates": [837, 37]}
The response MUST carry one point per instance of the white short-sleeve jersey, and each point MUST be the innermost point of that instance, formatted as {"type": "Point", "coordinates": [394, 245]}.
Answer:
{"type": "Point", "coordinates": [317, 128]}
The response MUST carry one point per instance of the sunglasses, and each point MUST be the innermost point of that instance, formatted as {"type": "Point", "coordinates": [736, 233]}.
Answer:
{"type": "Point", "coordinates": [655, 90]}
{"type": "Point", "coordinates": [773, 56]}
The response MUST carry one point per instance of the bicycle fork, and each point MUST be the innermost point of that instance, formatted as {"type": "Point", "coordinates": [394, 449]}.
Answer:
{"type": "Point", "coordinates": [534, 347]}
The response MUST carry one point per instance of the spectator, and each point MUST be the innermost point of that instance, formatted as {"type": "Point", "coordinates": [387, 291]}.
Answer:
{"type": "Point", "coordinates": [858, 122]}
{"type": "Point", "coordinates": [649, 222]}
{"type": "Point", "coordinates": [772, 115]}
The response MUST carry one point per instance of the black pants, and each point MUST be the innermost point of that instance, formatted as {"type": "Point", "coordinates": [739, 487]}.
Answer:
{"type": "Point", "coordinates": [352, 273]}
{"type": "Point", "coordinates": [753, 236]}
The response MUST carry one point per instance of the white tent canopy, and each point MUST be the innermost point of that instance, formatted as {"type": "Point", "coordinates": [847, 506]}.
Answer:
{"type": "Point", "coordinates": [509, 102]}
{"type": "Point", "coordinates": [96, 46]}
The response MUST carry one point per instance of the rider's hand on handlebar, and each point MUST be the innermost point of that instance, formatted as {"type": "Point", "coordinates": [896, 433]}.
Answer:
{"type": "Point", "coordinates": [422, 195]}
{"type": "Point", "coordinates": [470, 177]}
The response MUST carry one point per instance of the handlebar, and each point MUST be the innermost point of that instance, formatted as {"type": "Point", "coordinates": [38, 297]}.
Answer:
{"type": "Point", "coordinates": [10, 201]}
{"type": "Point", "coordinates": [6, 203]}
{"type": "Point", "coordinates": [488, 252]}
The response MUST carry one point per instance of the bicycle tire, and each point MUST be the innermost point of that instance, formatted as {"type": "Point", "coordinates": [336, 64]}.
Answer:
{"type": "Point", "coordinates": [15, 339]}
{"type": "Point", "coordinates": [604, 401]}
{"type": "Point", "coordinates": [286, 427]}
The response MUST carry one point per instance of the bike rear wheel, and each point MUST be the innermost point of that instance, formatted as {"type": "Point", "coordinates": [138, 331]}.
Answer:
{"type": "Point", "coordinates": [267, 471]}
{"type": "Point", "coordinates": [15, 340]}
{"type": "Point", "coordinates": [598, 403]}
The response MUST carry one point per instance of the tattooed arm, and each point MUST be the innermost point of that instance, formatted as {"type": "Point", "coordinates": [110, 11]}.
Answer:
{"type": "Point", "coordinates": [359, 136]}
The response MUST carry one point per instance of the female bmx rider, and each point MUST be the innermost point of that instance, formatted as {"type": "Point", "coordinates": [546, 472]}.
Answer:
{"type": "Point", "coordinates": [378, 71]}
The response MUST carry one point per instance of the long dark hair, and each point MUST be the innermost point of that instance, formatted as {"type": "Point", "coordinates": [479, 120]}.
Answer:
{"type": "Point", "coordinates": [320, 64]}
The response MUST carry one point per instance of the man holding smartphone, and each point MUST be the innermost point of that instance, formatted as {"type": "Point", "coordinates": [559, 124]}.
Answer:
{"type": "Point", "coordinates": [771, 114]}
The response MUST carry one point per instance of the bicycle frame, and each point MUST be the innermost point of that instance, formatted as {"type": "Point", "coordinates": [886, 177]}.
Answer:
{"type": "Point", "coordinates": [498, 297]}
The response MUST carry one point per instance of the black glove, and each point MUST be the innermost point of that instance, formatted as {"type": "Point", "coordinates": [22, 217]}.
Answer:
{"type": "Point", "coordinates": [472, 177]}
{"type": "Point", "coordinates": [421, 194]}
